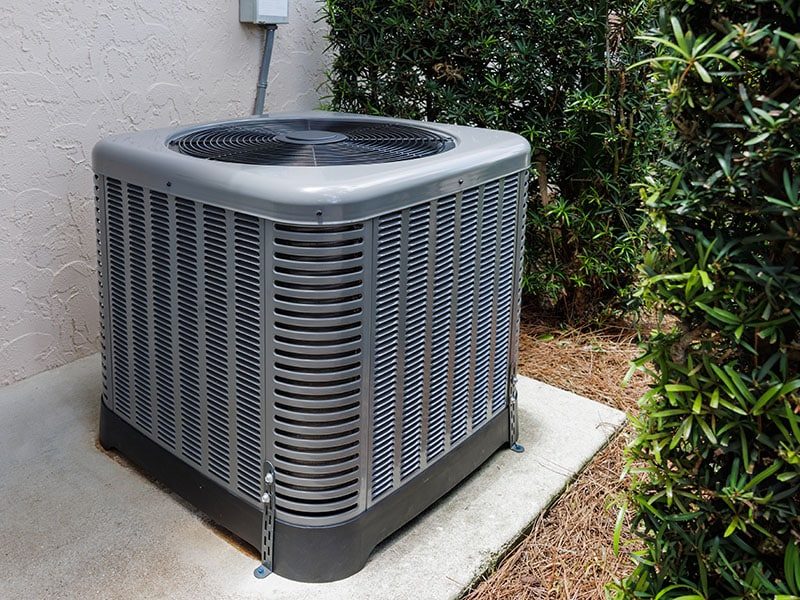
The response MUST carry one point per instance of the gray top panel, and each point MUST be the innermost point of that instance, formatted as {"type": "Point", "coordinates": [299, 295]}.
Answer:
{"type": "Point", "coordinates": [300, 194]}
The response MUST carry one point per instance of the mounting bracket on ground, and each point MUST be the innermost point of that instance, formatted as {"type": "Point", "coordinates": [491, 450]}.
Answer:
{"type": "Point", "coordinates": [513, 417]}
{"type": "Point", "coordinates": [268, 523]}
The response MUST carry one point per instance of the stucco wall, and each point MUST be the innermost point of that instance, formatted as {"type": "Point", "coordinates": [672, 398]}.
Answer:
{"type": "Point", "coordinates": [73, 71]}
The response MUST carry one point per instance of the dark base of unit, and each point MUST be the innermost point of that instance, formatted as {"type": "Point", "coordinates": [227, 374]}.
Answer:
{"type": "Point", "coordinates": [312, 554]}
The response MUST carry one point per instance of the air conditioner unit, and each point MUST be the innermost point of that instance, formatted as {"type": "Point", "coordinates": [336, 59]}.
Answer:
{"type": "Point", "coordinates": [310, 321]}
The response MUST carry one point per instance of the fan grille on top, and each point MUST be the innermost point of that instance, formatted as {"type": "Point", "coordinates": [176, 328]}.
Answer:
{"type": "Point", "coordinates": [312, 142]}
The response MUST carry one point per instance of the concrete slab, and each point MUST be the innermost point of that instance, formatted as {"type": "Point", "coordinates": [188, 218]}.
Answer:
{"type": "Point", "coordinates": [76, 522]}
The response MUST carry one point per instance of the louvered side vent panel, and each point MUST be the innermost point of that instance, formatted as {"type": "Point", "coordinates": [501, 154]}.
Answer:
{"type": "Point", "coordinates": [416, 286]}
{"type": "Point", "coordinates": [102, 261]}
{"type": "Point", "coordinates": [386, 401]}
{"type": "Point", "coordinates": [443, 294]}
{"type": "Point", "coordinates": [185, 297]}
{"type": "Point", "coordinates": [484, 305]}
{"type": "Point", "coordinates": [188, 325]}
{"type": "Point", "coordinates": [317, 342]}
{"type": "Point", "coordinates": [505, 289]}
{"type": "Point", "coordinates": [250, 381]}
{"type": "Point", "coordinates": [163, 323]}
{"type": "Point", "coordinates": [139, 292]}
{"type": "Point", "coordinates": [216, 321]}
{"type": "Point", "coordinates": [441, 356]}
{"type": "Point", "coordinates": [463, 314]}
{"type": "Point", "coordinates": [117, 294]}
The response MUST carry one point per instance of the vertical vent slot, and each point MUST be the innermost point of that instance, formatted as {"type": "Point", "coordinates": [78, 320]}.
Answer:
{"type": "Point", "coordinates": [317, 344]}
{"type": "Point", "coordinates": [118, 296]}
{"type": "Point", "coordinates": [387, 324]}
{"type": "Point", "coordinates": [102, 294]}
{"type": "Point", "coordinates": [139, 303]}
{"type": "Point", "coordinates": [414, 342]}
{"type": "Point", "coordinates": [249, 301]}
{"type": "Point", "coordinates": [188, 323]}
{"type": "Point", "coordinates": [441, 363]}
{"type": "Point", "coordinates": [163, 317]}
{"type": "Point", "coordinates": [505, 290]}
{"type": "Point", "coordinates": [463, 314]}
{"type": "Point", "coordinates": [485, 303]}
{"type": "Point", "coordinates": [215, 247]}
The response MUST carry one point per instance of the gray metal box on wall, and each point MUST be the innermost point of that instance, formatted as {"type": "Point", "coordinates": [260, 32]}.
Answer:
{"type": "Point", "coordinates": [264, 12]}
{"type": "Point", "coordinates": [310, 321]}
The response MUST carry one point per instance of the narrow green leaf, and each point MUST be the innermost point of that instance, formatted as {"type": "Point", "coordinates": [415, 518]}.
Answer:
{"type": "Point", "coordinates": [720, 314]}
{"type": "Point", "coordinates": [732, 527]}
{"type": "Point", "coordinates": [791, 567]}
{"type": "Point", "coordinates": [702, 72]}
{"type": "Point", "coordinates": [759, 138]}
{"type": "Point", "coordinates": [682, 433]}
{"type": "Point", "coordinates": [762, 475]}
{"type": "Point", "coordinates": [762, 401]}
{"type": "Point", "coordinates": [678, 31]}
{"type": "Point", "coordinates": [618, 528]}
{"type": "Point", "coordinates": [744, 392]}
{"type": "Point", "coordinates": [679, 387]}
{"type": "Point", "coordinates": [695, 595]}
{"type": "Point", "coordinates": [706, 430]}
{"type": "Point", "coordinates": [714, 402]}
{"type": "Point", "coordinates": [794, 420]}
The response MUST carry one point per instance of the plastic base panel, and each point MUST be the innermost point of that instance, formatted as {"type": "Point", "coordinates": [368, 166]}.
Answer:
{"type": "Point", "coordinates": [310, 554]}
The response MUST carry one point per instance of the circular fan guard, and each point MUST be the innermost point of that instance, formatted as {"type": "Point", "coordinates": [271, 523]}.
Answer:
{"type": "Point", "coordinates": [312, 142]}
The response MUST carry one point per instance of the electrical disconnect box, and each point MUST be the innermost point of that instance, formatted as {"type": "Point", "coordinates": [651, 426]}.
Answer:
{"type": "Point", "coordinates": [264, 12]}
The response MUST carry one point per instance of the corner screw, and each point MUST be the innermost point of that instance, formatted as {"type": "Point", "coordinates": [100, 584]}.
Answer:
{"type": "Point", "coordinates": [169, 184]}
{"type": "Point", "coordinates": [460, 181]}
{"type": "Point", "coordinates": [260, 572]}
{"type": "Point", "coordinates": [518, 448]}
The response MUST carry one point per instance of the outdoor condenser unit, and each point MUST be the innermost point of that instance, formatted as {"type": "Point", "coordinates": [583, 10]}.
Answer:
{"type": "Point", "coordinates": [310, 321]}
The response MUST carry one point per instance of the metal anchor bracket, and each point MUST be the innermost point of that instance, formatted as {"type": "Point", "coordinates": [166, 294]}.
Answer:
{"type": "Point", "coordinates": [513, 417]}
{"type": "Point", "coordinates": [268, 523]}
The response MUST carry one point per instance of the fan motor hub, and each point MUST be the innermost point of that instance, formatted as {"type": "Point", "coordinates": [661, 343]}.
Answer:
{"type": "Point", "coordinates": [311, 136]}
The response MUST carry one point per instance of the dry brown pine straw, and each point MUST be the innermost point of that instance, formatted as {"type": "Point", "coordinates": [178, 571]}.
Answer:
{"type": "Point", "coordinates": [568, 553]}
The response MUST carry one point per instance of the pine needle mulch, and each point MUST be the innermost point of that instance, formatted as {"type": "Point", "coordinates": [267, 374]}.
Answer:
{"type": "Point", "coordinates": [568, 555]}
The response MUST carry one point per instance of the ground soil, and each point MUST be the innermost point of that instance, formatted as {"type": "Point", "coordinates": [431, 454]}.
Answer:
{"type": "Point", "coordinates": [569, 552]}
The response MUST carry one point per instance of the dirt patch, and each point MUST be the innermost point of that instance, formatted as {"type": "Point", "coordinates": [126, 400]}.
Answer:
{"type": "Point", "coordinates": [229, 537]}
{"type": "Point", "coordinates": [569, 551]}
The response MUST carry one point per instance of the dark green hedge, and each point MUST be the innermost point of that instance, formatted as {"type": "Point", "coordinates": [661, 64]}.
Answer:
{"type": "Point", "coordinates": [717, 494]}
{"type": "Point", "coordinates": [536, 67]}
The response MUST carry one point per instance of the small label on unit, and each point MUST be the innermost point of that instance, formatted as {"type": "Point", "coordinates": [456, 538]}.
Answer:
{"type": "Point", "coordinates": [273, 8]}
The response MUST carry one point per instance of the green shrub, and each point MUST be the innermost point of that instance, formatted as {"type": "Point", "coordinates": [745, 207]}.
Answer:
{"type": "Point", "coordinates": [717, 457]}
{"type": "Point", "coordinates": [536, 67]}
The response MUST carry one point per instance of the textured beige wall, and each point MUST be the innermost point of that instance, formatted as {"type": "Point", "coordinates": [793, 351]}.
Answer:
{"type": "Point", "coordinates": [72, 72]}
